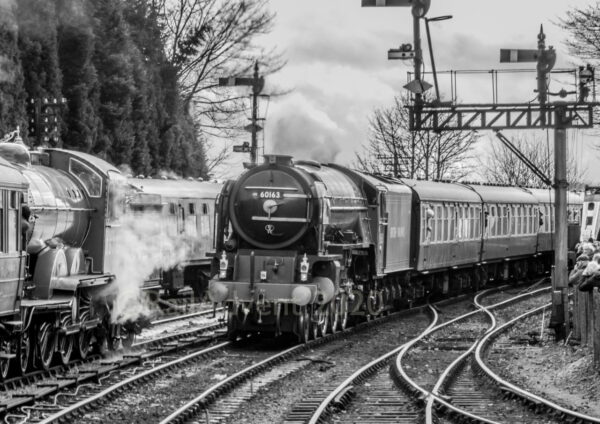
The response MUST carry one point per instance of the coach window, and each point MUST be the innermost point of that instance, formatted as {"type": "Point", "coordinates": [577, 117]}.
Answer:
{"type": "Point", "coordinates": [477, 222]}
{"type": "Point", "coordinates": [452, 222]}
{"type": "Point", "coordinates": [204, 209]}
{"type": "Point", "coordinates": [590, 206]}
{"type": "Point", "coordinates": [504, 213]}
{"type": "Point", "coordinates": [471, 223]}
{"type": "Point", "coordinates": [13, 222]}
{"type": "Point", "coordinates": [172, 208]}
{"type": "Point", "coordinates": [493, 221]}
{"type": "Point", "coordinates": [439, 216]}
{"type": "Point", "coordinates": [445, 224]}
{"type": "Point", "coordinates": [192, 208]}
{"type": "Point", "coordinates": [2, 247]}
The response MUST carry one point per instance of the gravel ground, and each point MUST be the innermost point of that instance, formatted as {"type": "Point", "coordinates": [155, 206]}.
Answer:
{"type": "Point", "coordinates": [563, 374]}
{"type": "Point", "coordinates": [152, 401]}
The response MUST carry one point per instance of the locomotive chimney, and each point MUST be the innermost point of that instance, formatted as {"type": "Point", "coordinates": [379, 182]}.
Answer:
{"type": "Point", "coordinates": [278, 160]}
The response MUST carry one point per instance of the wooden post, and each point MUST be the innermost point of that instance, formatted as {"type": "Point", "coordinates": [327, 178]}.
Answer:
{"type": "Point", "coordinates": [584, 316]}
{"type": "Point", "coordinates": [576, 315]}
{"type": "Point", "coordinates": [596, 327]}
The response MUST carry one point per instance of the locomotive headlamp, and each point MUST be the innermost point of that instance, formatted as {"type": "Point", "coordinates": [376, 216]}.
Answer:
{"type": "Point", "coordinates": [304, 268]}
{"type": "Point", "coordinates": [223, 264]}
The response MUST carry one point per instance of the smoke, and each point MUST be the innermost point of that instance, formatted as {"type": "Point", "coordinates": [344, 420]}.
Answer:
{"type": "Point", "coordinates": [167, 174]}
{"type": "Point", "coordinates": [143, 242]}
{"type": "Point", "coordinates": [7, 70]}
{"type": "Point", "coordinates": [305, 133]}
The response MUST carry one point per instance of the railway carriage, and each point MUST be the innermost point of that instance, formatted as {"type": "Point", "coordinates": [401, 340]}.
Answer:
{"type": "Point", "coordinates": [300, 244]}
{"type": "Point", "coordinates": [575, 206]}
{"type": "Point", "coordinates": [447, 228]}
{"type": "Point", "coordinates": [186, 211]}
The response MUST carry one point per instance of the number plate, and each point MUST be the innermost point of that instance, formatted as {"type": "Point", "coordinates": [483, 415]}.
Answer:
{"type": "Point", "coordinates": [270, 195]}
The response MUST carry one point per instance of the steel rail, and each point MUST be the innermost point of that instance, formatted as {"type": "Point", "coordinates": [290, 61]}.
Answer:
{"type": "Point", "coordinates": [402, 377]}
{"type": "Point", "coordinates": [429, 417]}
{"type": "Point", "coordinates": [524, 394]}
{"type": "Point", "coordinates": [73, 409]}
{"type": "Point", "coordinates": [321, 410]}
{"type": "Point", "coordinates": [344, 387]}
{"type": "Point", "coordinates": [185, 316]}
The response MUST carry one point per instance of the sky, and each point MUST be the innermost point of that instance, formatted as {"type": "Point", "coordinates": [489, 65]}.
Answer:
{"type": "Point", "coordinates": [337, 72]}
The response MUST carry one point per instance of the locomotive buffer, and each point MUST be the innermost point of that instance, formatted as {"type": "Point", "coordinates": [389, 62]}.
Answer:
{"type": "Point", "coordinates": [560, 115]}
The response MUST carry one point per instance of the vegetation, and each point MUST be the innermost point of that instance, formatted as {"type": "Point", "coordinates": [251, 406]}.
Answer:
{"type": "Point", "coordinates": [129, 76]}
{"type": "Point", "coordinates": [501, 166]}
{"type": "Point", "coordinates": [394, 150]}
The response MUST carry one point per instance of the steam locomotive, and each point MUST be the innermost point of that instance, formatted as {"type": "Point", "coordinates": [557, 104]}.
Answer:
{"type": "Point", "coordinates": [63, 215]}
{"type": "Point", "coordinates": [57, 219]}
{"type": "Point", "coordinates": [303, 247]}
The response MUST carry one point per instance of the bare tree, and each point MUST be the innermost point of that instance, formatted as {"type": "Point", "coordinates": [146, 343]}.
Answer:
{"type": "Point", "coordinates": [584, 42]}
{"type": "Point", "coordinates": [501, 166]}
{"type": "Point", "coordinates": [393, 149]}
{"type": "Point", "coordinates": [210, 39]}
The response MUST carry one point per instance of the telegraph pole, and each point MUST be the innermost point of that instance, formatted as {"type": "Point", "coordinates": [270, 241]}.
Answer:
{"type": "Point", "coordinates": [560, 282]}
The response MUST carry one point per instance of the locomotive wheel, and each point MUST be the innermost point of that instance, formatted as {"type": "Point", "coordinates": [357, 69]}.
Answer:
{"type": "Point", "coordinates": [334, 314]}
{"type": "Point", "coordinates": [343, 311]}
{"type": "Point", "coordinates": [323, 322]}
{"type": "Point", "coordinates": [303, 324]}
{"type": "Point", "coordinates": [24, 351]}
{"type": "Point", "coordinates": [232, 324]}
{"type": "Point", "coordinates": [4, 362]}
{"type": "Point", "coordinates": [83, 345]}
{"type": "Point", "coordinates": [65, 346]}
{"type": "Point", "coordinates": [314, 322]}
{"type": "Point", "coordinates": [45, 345]}
{"type": "Point", "coordinates": [120, 337]}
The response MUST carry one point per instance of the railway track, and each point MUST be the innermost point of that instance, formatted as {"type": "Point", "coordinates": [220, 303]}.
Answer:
{"type": "Point", "coordinates": [221, 401]}
{"type": "Point", "coordinates": [21, 395]}
{"type": "Point", "coordinates": [461, 395]}
{"type": "Point", "coordinates": [369, 395]}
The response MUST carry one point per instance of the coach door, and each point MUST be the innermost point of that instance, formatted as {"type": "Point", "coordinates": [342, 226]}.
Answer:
{"type": "Point", "coordinates": [180, 219]}
{"type": "Point", "coordinates": [382, 232]}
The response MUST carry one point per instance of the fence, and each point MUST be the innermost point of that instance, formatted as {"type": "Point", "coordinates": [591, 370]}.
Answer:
{"type": "Point", "coordinates": [586, 321]}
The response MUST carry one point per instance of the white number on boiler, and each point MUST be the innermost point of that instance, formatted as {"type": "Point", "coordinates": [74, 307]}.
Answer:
{"type": "Point", "coordinates": [270, 195]}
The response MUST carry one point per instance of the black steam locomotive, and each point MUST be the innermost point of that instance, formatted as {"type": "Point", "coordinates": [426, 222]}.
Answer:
{"type": "Point", "coordinates": [302, 247]}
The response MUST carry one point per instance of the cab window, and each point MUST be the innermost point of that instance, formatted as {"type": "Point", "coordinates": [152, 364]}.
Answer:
{"type": "Point", "coordinates": [91, 181]}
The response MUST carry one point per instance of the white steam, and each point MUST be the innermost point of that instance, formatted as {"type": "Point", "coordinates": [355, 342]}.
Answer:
{"type": "Point", "coordinates": [142, 242]}
{"type": "Point", "coordinates": [305, 132]}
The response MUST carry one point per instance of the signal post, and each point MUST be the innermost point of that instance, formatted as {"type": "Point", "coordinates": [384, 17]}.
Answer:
{"type": "Point", "coordinates": [560, 115]}
{"type": "Point", "coordinates": [257, 83]}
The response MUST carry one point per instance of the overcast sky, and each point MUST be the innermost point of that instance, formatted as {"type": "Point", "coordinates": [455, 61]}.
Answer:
{"type": "Point", "coordinates": [338, 72]}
